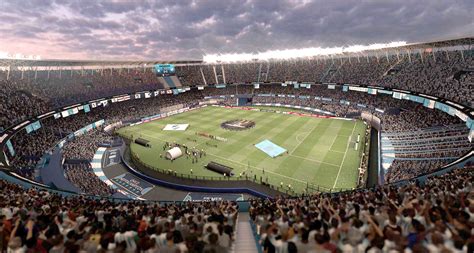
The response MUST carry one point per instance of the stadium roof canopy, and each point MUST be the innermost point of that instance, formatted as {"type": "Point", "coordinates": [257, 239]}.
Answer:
{"type": "Point", "coordinates": [84, 63]}
{"type": "Point", "coordinates": [442, 43]}
{"type": "Point", "coordinates": [59, 63]}
{"type": "Point", "coordinates": [346, 51]}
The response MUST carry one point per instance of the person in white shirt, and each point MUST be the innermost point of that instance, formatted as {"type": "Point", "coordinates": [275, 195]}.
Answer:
{"type": "Point", "coordinates": [128, 237]}
{"type": "Point", "coordinates": [224, 239]}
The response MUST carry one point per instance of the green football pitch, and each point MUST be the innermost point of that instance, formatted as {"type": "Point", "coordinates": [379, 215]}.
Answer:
{"type": "Point", "coordinates": [321, 152]}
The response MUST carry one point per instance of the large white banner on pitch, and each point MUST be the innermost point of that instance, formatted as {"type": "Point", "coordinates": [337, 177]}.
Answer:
{"type": "Point", "coordinates": [176, 127]}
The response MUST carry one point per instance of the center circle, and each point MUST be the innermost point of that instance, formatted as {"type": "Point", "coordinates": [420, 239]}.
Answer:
{"type": "Point", "coordinates": [238, 124]}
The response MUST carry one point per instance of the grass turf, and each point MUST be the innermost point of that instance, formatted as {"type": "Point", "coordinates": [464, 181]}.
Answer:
{"type": "Point", "coordinates": [320, 151]}
{"type": "Point", "coordinates": [281, 109]}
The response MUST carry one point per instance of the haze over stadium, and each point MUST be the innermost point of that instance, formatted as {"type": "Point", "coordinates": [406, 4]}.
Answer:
{"type": "Point", "coordinates": [236, 126]}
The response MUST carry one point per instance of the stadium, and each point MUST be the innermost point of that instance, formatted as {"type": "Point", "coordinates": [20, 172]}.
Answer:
{"type": "Point", "coordinates": [334, 149]}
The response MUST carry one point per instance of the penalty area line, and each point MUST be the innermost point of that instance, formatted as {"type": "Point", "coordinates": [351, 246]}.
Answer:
{"type": "Point", "coordinates": [309, 133]}
{"type": "Point", "coordinates": [267, 171]}
{"type": "Point", "coordinates": [313, 160]}
{"type": "Point", "coordinates": [230, 160]}
{"type": "Point", "coordinates": [344, 157]}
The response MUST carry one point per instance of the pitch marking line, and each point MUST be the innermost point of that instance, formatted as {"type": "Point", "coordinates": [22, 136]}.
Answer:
{"type": "Point", "coordinates": [309, 133]}
{"type": "Point", "coordinates": [245, 165]}
{"type": "Point", "coordinates": [313, 160]}
{"type": "Point", "coordinates": [194, 143]}
{"type": "Point", "coordinates": [334, 141]}
{"type": "Point", "coordinates": [344, 157]}
{"type": "Point", "coordinates": [271, 172]}
{"type": "Point", "coordinates": [281, 175]}
{"type": "Point", "coordinates": [298, 135]}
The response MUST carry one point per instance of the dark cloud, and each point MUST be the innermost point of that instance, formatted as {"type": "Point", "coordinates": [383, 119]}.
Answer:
{"type": "Point", "coordinates": [187, 29]}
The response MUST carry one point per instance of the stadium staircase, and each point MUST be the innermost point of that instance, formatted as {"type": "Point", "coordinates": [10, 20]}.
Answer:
{"type": "Point", "coordinates": [244, 237]}
{"type": "Point", "coordinates": [170, 82]}
{"type": "Point", "coordinates": [203, 77]}
{"type": "Point", "coordinates": [329, 72]}
{"type": "Point", "coordinates": [392, 66]}
{"type": "Point", "coordinates": [332, 74]}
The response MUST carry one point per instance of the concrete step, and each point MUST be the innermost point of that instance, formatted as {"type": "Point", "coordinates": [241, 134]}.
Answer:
{"type": "Point", "coordinates": [244, 239]}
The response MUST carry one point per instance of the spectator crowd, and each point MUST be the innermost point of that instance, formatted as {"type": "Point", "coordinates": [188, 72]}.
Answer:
{"type": "Point", "coordinates": [28, 93]}
{"type": "Point", "coordinates": [83, 177]}
{"type": "Point", "coordinates": [84, 147]}
{"type": "Point", "coordinates": [35, 220]}
{"type": "Point", "coordinates": [437, 216]}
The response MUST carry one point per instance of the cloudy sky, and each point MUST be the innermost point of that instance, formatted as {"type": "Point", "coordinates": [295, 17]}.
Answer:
{"type": "Point", "coordinates": [188, 29]}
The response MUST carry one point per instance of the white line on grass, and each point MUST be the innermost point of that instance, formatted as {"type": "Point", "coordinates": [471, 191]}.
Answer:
{"type": "Point", "coordinates": [224, 158]}
{"type": "Point", "coordinates": [315, 160]}
{"type": "Point", "coordinates": [268, 171]}
{"type": "Point", "coordinates": [344, 157]}
{"type": "Point", "coordinates": [281, 175]}
{"type": "Point", "coordinates": [309, 133]}
{"type": "Point", "coordinates": [334, 141]}
{"type": "Point", "coordinates": [298, 135]}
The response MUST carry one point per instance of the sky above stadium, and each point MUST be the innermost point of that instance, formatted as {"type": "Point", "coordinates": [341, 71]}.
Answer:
{"type": "Point", "coordinates": [189, 29]}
